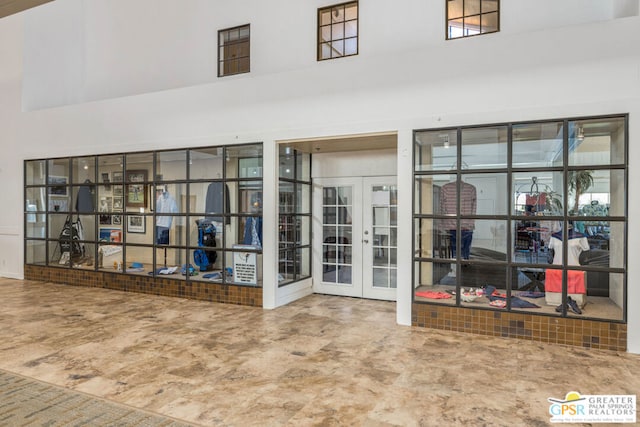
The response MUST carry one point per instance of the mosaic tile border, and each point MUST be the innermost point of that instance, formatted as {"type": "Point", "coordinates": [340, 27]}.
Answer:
{"type": "Point", "coordinates": [556, 330]}
{"type": "Point", "coordinates": [205, 291]}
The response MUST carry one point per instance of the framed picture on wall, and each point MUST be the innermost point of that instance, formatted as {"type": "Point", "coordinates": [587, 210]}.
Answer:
{"type": "Point", "coordinates": [58, 185]}
{"type": "Point", "coordinates": [117, 204]}
{"type": "Point", "coordinates": [58, 204]}
{"type": "Point", "coordinates": [110, 235]}
{"type": "Point", "coordinates": [106, 180]}
{"type": "Point", "coordinates": [106, 204]}
{"type": "Point", "coordinates": [136, 224]}
{"type": "Point", "coordinates": [136, 189]}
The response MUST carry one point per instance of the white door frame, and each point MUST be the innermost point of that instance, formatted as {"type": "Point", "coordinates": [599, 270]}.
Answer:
{"type": "Point", "coordinates": [353, 248]}
{"type": "Point", "coordinates": [378, 245]}
{"type": "Point", "coordinates": [361, 242]}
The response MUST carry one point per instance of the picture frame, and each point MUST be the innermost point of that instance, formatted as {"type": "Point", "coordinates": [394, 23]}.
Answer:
{"type": "Point", "coordinates": [58, 204]}
{"type": "Point", "coordinates": [136, 189]}
{"type": "Point", "coordinates": [116, 176]}
{"type": "Point", "coordinates": [58, 185]}
{"type": "Point", "coordinates": [136, 224]}
{"type": "Point", "coordinates": [106, 180]}
{"type": "Point", "coordinates": [112, 235]}
{"type": "Point", "coordinates": [118, 204]}
{"type": "Point", "coordinates": [116, 219]}
{"type": "Point", "coordinates": [106, 204]}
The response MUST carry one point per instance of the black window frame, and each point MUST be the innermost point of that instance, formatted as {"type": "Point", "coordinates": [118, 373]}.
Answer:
{"type": "Point", "coordinates": [222, 61]}
{"type": "Point", "coordinates": [288, 220]}
{"type": "Point", "coordinates": [320, 41]}
{"type": "Point", "coordinates": [464, 16]}
{"type": "Point", "coordinates": [153, 181]}
{"type": "Point", "coordinates": [566, 217]}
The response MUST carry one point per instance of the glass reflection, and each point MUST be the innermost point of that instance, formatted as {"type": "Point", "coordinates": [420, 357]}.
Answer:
{"type": "Point", "coordinates": [537, 145]}
{"type": "Point", "coordinates": [538, 193]}
{"type": "Point", "coordinates": [83, 170]}
{"type": "Point", "coordinates": [427, 193]}
{"type": "Point", "coordinates": [531, 240]}
{"type": "Point", "coordinates": [596, 192]}
{"type": "Point", "coordinates": [35, 172]}
{"type": "Point", "coordinates": [436, 150]}
{"type": "Point", "coordinates": [484, 147]}
{"type": "Point", "coordinates": [206, 163]}
{"type": "Point", "coordinates": [287, 161]}
{"type": "Point", "coordinates": [435, 282]}
{"type": "Point", "coordinates": [171, 165]}
{"type": "Point", "coordinates": [596, 141]}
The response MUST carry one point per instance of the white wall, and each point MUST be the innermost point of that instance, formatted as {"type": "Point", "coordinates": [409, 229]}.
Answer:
{"type": "Point", "coordinates": [54, 72]}
{"type": "Point", "coordinates": [586, 68]}
{"type": "Point", "coordinates": [101, 49]}
{"type": "Point", "coordinates": [11, 231]}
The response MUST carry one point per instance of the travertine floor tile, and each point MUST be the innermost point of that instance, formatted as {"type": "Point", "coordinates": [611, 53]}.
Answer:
{"type": "Point", "coordinates": [322, 360]}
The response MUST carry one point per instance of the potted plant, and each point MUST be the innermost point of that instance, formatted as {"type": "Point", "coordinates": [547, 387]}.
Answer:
{"type": "Point", "coordinates": [554, 201]}
{"type": "Point", "coordinates": [579, 182]}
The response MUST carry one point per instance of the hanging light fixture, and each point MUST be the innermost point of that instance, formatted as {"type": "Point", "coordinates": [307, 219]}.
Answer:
{"type": "Point", "coordinates": [445, 140]}
{"type": "Point", "coordinates": [580, 135]}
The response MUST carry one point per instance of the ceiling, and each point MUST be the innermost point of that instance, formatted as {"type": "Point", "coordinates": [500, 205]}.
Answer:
{"type": "Point", "coordinates": [9, 7]}
{"type": "Point", "coordinates": [360, 142]}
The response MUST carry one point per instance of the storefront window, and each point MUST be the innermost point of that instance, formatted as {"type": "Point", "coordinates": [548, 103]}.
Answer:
{"type": "Point", "coordinates": [294, 222]}
{"type": "Point", "coordinates": [191, 215]}
{"type": "Point", "coordinates": [554, 243]}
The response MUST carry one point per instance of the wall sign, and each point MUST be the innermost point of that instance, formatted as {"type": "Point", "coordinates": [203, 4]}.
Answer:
{"type": "Point", "coordinates": [245, 268]}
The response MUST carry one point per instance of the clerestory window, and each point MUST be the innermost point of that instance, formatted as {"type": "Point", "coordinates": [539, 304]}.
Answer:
{"type": "Point", "coordinates": [467, 18]}
{"type": "Point", "coordinates": [338, 31]}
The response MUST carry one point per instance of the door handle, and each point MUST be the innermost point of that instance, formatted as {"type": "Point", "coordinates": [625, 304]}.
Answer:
{"type": "Point", "coordinates": [365, 241]}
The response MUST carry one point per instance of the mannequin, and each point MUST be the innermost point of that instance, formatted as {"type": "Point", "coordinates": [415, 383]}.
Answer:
{"type": "Point", "coordinates": [165, 203]}
{"type": "Point", "coordinates": [576, 283]}
{"type": "Point", "coordinates": [576, 244]}
{"type": "Point", "coordinates": [468, 206]}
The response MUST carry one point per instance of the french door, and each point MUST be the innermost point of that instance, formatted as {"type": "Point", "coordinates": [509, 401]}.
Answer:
{"type": "Point", "coordinates": [355, 237]}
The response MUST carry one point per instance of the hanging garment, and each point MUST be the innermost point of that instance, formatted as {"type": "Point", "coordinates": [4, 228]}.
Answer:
{"type": "Point", "coordinates": [165, 204]}
{"type": "Point", "coordinates": [84, 200]}
{"type": "Point", "coordinates": [449, 203]}
{"type": "Point", "coordinates": [217, 201]}
{"type": "Point", "coordinates": [253, 231]}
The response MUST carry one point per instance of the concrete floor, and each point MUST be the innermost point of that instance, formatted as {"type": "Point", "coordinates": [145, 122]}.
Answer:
{"type": "Point", "coordinates": [322, 360]}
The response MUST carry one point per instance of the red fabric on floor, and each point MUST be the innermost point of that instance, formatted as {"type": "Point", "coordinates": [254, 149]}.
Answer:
{"type": "Point", "coordinates": [433, 294]}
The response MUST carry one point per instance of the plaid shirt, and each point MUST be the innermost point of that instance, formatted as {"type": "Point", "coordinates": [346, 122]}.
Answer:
{"type": "Point", "coordinates": [448, 205]}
